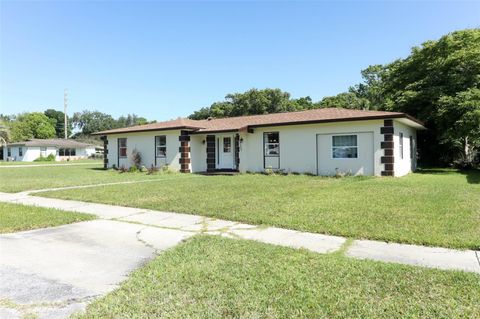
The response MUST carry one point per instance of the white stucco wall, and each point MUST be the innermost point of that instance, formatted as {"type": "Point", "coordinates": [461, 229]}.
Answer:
{"type": "Point", "coordinates": [144, 142]}
{"type": "Point", "coordinates": [303, 149]}
{"type": "Point", "coordinates": [31, 153]}
{"type": "Point", "coordinates": [298, 146]}
{"type": "Point", "coordinates": [198, 152]}
{"type": "Point", "coordinates": [405, 165]}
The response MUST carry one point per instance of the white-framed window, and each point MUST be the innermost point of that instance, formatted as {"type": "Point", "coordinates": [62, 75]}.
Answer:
{"type": "Point", "coordinates": [122, 147]}
{"type": "Point", "coordinates": [344, 146]}
{"type": "Point", "coordinates": [161, 146]}
{"type": "Point", "coordinates": [401, 145]}
{"type": "Point", "coordinates": [43, 151]}
{"type": "Point", "coordinates": [272, 144]}
{"type": "Point", "coordinates": [20, 151]}
{"type": "Point", "coordinates": [227, 144]}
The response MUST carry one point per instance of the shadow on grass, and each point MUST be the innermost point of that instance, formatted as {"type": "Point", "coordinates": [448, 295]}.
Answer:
{"type": "Point", "coordinates": [472, 175]}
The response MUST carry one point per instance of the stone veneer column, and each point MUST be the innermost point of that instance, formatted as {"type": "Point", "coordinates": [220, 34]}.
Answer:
{"type": "Point", "coordinates": [387, 145]}
{"type": "Point", "coordinates": [105, 151]}
{"type": "Point", "coordinates": [210, 153]}
{"type": "Point", "coordinates": [184, 160]}
{"type": "Point", "coordinates": [237, 151]}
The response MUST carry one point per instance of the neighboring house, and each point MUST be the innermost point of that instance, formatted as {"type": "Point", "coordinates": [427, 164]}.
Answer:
{"type": "Point", "coordinates": [321, 141]}
{"type": "Point", "coordinates": [32, 149]}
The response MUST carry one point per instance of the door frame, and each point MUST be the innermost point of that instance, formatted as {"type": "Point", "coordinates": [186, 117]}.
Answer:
{"type": "Point", "coordinates": [219, 151]}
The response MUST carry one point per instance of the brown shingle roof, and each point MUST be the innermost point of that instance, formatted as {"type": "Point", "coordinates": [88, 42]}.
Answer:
{"type": "Point", "coordinates": [243, 122]}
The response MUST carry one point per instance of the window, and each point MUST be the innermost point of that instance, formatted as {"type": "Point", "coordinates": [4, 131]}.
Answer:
{"type": "Point", "coordinates": [20, 151]}
{"type": "Point", "coordinates": [401, 145]}
{"type": "Point", "coordinates": [43, 151]}
{"type": "Point", "coordinates": [412, 149]}
{"type": "Point", "coordinates": [227, 144]}
{"type": "Point", "coordinates": [272, 144]}
{"type": "Point", "coordinates": [66, 152]}
{"type": "Point", "coordinates": [9, 152]}
{"type": "Point", "coordinates": [161, 146]}
{"type": "Point", "coordinates": [344, 146]}
{"type": "Point", "coordinates": [122, 147]}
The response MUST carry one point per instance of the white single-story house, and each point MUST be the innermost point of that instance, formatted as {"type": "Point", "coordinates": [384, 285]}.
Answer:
{"type": "Point", "coordinates": [321, 141]}
{"type": "Point", "coordinates": [63, 149]}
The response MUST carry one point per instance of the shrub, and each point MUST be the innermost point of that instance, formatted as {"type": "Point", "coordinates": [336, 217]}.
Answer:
{"type": "Point", "coordinates": [339, 173]}
{"type": "Point", "coordinates": [123, 169]}
{"type": "Point", "coordinates": [136, 158]}
{"type": "Point", "coordinates": [152, 170]}
{"type": "Point", "coordinates": [133, 169]}
{"type": "Point", "coordinates": [143, 169]}
{"type": "Point", "coordinates": [269, 171]}
{"type": "Point", "coordinates": [49, 158]}
{"type": "Point", "coordinates": [166, 169]}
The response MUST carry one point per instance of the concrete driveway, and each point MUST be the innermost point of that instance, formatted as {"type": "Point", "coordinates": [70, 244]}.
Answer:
{"type": "Point", "coordinates": [56, 271]}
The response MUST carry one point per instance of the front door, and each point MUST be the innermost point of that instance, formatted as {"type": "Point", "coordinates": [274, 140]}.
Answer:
{"type": "Point", "coordinates": [225, 149]}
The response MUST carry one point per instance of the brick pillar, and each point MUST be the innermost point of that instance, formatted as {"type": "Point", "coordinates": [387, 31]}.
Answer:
{"type": "Point", "coordinates": [184, 160]}
{"type": "Point", "coordinates": [387, 145]}
{"type": "Point", "coordinates": [105, 151]}
{"type": "Point", "coordinates": [237, 151]}
{"type": "Point", "coordinates": [210, 153]}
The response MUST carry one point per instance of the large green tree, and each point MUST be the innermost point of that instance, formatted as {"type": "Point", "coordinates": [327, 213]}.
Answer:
{"type": "Point", "coordinates": [88, 122]}
{"type": "Point", "coordinates": [253, 102]}
{"type": "Point", "coordinates": [31, 125]}
{"type": "Point", "coordinates": [437, 83]}
{"type": "Point", "coordinates": [59, 118]}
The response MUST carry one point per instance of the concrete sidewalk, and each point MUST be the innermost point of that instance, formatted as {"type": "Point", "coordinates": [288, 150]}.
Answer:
{"type": "Point", "coordinates": [434, 257]}
{"type": "Point", "coordinates": [54, 272]}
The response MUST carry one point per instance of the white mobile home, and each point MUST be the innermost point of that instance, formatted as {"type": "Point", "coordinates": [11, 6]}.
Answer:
{"type": "Point", "coordinates": [321, 141]}
{"type": "Point", "coordinates": [30, 150]}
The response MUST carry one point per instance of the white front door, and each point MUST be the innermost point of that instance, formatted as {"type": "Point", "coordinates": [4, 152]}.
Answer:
{"type": "Point", "coordinates": [225, 144]}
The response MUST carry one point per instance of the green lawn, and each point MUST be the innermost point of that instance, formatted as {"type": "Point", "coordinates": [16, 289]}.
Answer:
{"type": "Point", "coordinates": [214, 277]}
{"type": "Point", "coordinates": [16, 217]}
{"type": "Point", "coordinates": [29, 178]}
{"type": "Point", "coordinates": [81, 161]}
{"type": "Point", "coordinates": [434, 207]}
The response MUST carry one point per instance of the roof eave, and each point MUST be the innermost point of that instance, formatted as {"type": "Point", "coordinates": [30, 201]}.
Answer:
{"type": "Point", "coordinates": [348, 119]}
{"type": "Point", "coordinates": [148, 130]}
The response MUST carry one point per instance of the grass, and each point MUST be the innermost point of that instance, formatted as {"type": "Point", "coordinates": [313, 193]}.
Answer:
{"type": "Point", "coordinates": [434, 207]}
{"type": "Point", "coordinates": [91, 161]}
{"type": "Point", "coordinates": [30, 178]}
{"type": "Point", "coordinates": [214, 277]}
{"type": "Point", "coordinates": [16, 217]}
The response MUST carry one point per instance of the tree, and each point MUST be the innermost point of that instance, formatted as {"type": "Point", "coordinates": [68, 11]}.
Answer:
{"type": "Point", "coordinates": [459, 122]}
{"type": "Point", "coordinates": [131, 120]}
{"type": "Point", "coordinates": [346, 100]}
{"type": "Point", "coordinates": [59, 118]}
{"type": "Point", "coordinates": [89, 122]}
{"type": "Point", "coordinates": [4, 131]}
{"type": "Point", "coordinates": [253, 102]}
{"type": "Point", "coordinates": [32, 125]}
{"type": "Point", "coordinates": [429, 82]}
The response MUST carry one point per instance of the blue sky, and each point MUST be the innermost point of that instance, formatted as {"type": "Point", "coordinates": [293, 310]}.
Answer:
{"type": "Point", "coordinates": [162, 60]}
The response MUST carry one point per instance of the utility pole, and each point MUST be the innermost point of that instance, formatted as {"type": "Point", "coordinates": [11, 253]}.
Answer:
{"type": "Point", "coordinates": [65, 100]}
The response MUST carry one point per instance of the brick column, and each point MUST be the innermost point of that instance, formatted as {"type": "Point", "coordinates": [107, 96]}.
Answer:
{"type": "Point", "coordinates": [184, 160]}
{"type": "Point", "coordinates": [237, 150]}
{"type": "Point", "coordinates": [387, 145]}
{"type": "Point", "coordinates": [105, 151]}
{"type": "Point", "coordinates": [210, 153]}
